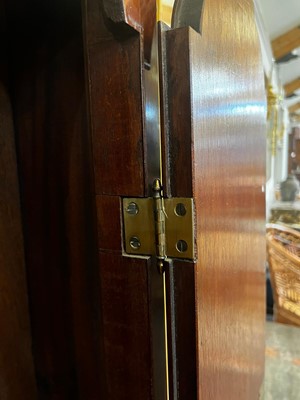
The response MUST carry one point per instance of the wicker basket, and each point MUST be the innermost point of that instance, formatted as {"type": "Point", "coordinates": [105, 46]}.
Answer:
{"type": "Point", "coordinates": [283, 246]}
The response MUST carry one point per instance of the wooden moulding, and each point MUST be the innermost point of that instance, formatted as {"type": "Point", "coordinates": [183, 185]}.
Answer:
{"type": "Point", "coordinates": [137, 14]}
{"type": "Point", "coordinates": [286, 43]}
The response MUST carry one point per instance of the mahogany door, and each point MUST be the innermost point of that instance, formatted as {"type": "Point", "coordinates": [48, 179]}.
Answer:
{"type": "Point", "coordinates": [184, 104]}
{"type": "Point", "coordinates": [197, 330]}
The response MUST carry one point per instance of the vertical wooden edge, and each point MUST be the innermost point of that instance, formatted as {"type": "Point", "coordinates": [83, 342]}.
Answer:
{"type": "Point", "coordinates": [228, 121]}
{"type": "Point", "coordinates": [164, 106]}
{"type": "Point", "coordinates": [177, 138]}
{"type": "Point", "coordinates": [181, 323]}
{"type": "Point", "coordinates": [177, 178]}
{"type": "Point", "coordinates": [158, 338]}
{"type": "Point", "coordinates": [171, 331]}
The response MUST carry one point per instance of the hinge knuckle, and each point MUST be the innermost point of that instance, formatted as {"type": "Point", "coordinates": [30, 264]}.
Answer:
{"type": "Point", "coordinates": [159, 227]}
{"type": "Point", "coordinates": [159, 217]}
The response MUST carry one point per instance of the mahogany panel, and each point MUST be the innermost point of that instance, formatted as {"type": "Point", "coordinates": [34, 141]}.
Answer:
{"type": "Point", "coordinates": [16, 362]}
{"type": "Point", "coordinates": [125, 309]}
{"type": "Point", "coordinates": [132, 289]}
{"type": "Point", "coordinates": [225, 156]}
{"type": "Point", "coordinates": [47, 80]}
{"type": "Point", "coordinates": [109, 213]}
{"type": "Point", "coordinates": [115, 62]}
{"type": "Point", "coordinates": [116, 116]}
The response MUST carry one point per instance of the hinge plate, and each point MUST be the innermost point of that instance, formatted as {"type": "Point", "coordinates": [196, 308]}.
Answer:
{"type": "Point", "coordinates": [139, 227]}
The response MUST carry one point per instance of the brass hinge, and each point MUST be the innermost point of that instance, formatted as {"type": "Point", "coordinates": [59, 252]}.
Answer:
{"type": "Point", "coordinates": [159, 226]}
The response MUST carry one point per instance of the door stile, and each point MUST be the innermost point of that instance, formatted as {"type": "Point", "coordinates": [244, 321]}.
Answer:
{"type": "Point", "coordinates": [217, 153]}
{"type": "Point", "coordinates": [177, 174]}
{"type": "Point", "coordinates": [131, 288]}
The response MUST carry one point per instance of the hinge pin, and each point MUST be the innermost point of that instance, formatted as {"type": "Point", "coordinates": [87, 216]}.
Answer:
{"type": "Point", "coordinates": [160, 225]}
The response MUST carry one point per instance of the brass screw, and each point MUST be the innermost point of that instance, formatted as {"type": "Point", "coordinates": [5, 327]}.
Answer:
{"type": "Point", "coordinates": [180, 210]}
{"type": "Point", "coordinates": [132, 208]}
{"type": "Point", "coordinates": [135, 243]}
{"type": "Point", "coordinates": [182, 246]}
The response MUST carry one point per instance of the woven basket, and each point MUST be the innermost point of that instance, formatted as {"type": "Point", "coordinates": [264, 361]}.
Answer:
{"type": "Point", "coordinates": [283, 246]}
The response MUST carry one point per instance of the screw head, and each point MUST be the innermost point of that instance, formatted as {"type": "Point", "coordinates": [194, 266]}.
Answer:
{"type": "Point", "coordinates": [180, 210]}
{"type": "Point", "coordinates": [181, 246]}
{"type": "Point", "coordinates": [135, 243]}
{"type": "Point", "coordinates": [132, 208]}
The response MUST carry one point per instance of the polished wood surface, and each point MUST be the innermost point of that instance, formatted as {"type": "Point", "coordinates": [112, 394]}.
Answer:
{"type": "Point", "coordinates": [221, 164]}
{"type": "Point", "coordinates": [138, 14]}
{"type": "Point", "coordinates": [97, 327]}
{"type": "Point", "coordinates": [213, 126]}
{"type": "Point", "coordinates": [47, 83]}
{"type": "Point", "coordinates": [17, 379]}
{"type": "Point", "coordinates": [125, 308]}
{"type": "Point", "coordinates": [122, 139]}
{"type": "Point", "coordinates": [131, 289]}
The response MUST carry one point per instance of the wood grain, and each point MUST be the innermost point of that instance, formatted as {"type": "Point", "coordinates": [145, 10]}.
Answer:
{"type": "Point", "coordinates": [131, 289]}
{"type": "Point", "coordinates": [217, 132]}
{"type": "Point", "coordinates": [109, 212]}
{"type": "Point", "coordinates": [49, 103]}
{"type": "Point", "coordinates": [230, 202]}
{"type": "Point", "coordinates": [17, 380]}
{"type": "Point", "coordinates": [95, 329]}
{"type": "Point", "coordinates": [117, 116]}
{"type": "Point", "coordinates": [127, 12]}
{"type": "Point", "coordinates": [116, 93]}
{"type": "Point", "coordinates": [138, 14]}
{"type": "Point", "coordinates": [125, 309]}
